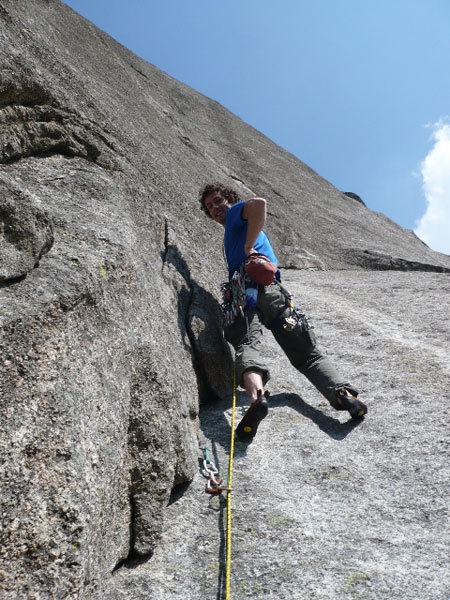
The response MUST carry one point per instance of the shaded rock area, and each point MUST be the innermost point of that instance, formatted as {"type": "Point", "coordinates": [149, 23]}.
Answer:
{"type": "Point", "coordinates": [110, 341]}
{"type": "Point", "coordinates": [354, 196]}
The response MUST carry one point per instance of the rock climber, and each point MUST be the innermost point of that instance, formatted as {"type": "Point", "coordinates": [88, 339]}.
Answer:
{"type": "Point", "coordinates": [272, 308]}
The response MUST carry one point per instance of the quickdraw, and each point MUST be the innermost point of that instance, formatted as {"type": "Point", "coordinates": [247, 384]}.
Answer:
{"type": "Point", "coordinates": [214, 486]}
{"type": "Point", "coordinates": [297, 320]}
{"type": "Point", "coordinates": [238, 293]}
{"type": "Point", "coordinates": [233, 295]}
{"type": "Point", "coordinates": [210, 471]}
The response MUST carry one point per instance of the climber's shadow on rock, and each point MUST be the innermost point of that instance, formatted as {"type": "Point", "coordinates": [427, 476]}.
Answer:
{"type": "Point", "coordinates": [200, 324]}
{"type": "Point", "coordinates": [330, 425]}
{"type": "Point", "coordinates": [215, 419]}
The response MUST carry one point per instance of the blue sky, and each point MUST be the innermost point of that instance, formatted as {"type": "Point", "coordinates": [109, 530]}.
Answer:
{"type": "Point", "coordinates": [358, 90]}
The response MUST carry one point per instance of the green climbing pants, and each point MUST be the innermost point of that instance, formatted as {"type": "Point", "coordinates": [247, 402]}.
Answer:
{"type": "Point", "coordinates": [294, 335]}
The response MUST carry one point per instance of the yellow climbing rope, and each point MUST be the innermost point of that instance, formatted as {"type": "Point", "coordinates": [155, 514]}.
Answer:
{"type": "Point", "coordinates": [229, 486]}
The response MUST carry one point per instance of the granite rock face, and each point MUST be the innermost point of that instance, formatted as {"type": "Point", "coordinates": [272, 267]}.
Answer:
{"type": "Point", "coordinates": [109, 274]}
{"type": "Point", "coordinates": [27, 232]}
{"type": "Point", "coordinates": [324, 506]}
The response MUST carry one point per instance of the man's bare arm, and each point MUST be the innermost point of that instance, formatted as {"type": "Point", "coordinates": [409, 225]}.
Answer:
{"type": "Point", "coordinates": [254, 212]}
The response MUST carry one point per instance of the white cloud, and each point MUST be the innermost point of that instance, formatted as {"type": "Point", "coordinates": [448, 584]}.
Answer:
{"type": "Point", "coordinates": [434, 226]}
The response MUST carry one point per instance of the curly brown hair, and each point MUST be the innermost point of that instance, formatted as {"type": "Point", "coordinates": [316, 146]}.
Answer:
{"type": "Point", "coordinates": [211, 188]}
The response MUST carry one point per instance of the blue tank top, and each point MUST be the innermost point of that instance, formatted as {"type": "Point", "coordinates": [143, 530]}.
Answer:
{"type": "Point", "coordinates": [235, 236]}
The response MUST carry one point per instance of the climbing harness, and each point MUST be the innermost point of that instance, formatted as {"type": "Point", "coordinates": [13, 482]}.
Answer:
{"type": "Point", "coordinates": [238, 295]}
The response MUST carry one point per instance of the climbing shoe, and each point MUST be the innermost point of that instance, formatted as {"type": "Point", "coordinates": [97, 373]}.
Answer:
{"type": "Point", "coordinates": [347, 401]}
{"type": "Point", "coordinates": [247, 428]}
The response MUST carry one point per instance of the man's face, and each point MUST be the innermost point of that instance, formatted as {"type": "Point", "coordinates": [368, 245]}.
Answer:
{"type": "Point", "coordinates": [217, 207]}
